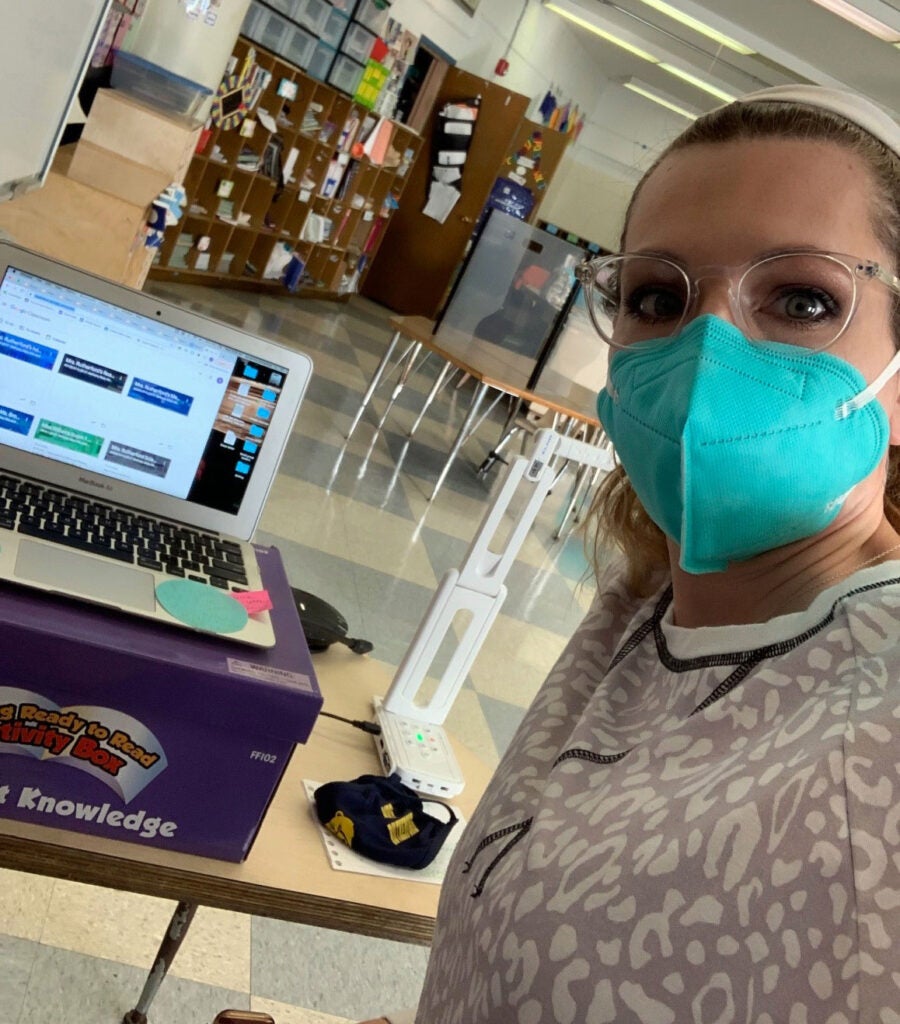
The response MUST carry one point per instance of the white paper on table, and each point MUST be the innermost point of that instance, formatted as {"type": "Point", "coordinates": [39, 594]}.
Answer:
{"type": "Point", "coordinates": [344, 859]}
{"type": "Point", "coordinates": [441, 200]}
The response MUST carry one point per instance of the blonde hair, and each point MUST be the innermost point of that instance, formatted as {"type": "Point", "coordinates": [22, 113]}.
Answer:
{"type": "Point", "coordinates": [617, 518]}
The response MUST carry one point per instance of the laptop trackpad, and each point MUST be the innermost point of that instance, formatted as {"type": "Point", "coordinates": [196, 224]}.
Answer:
{"type": "Point", "coordinates": [97, 579]}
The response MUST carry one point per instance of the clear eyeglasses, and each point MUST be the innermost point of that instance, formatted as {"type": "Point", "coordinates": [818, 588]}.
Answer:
{"type": "Point", "coordinates": [803, 298]}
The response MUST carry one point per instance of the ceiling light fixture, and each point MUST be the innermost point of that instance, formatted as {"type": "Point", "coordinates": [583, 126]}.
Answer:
{"type": "Point", "coordinates": [648, 92]}
{"type": "Point", "coordinates": [700, 83]}
{"type": "Point", "coordinates": [699, 26]}
{"type": "Point", "coordinates": [590, 21]}
{"type": "Point", "coordinates": [592, 26]}
{"type": "Point", "coordinates": [862, 19]}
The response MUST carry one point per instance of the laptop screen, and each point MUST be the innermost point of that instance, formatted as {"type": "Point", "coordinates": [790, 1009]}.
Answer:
{"type": "Point", "coordinates": [104, 389]}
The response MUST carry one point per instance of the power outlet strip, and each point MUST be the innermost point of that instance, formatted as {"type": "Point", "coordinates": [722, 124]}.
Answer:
{"type": "Point", "coordinates": [418, 752]}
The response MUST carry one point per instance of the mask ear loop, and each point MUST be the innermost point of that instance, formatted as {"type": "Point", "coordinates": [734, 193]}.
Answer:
{"type": "Point", "coordinates": [867, 394]}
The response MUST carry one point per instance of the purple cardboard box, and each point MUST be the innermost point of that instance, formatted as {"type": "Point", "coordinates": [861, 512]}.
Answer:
{"type": "Point", "coordinates": [146, 733]}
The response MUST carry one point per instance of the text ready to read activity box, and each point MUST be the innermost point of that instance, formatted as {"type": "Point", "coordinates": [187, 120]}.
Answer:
{"type": "Point", "coordinates": [150, 734]}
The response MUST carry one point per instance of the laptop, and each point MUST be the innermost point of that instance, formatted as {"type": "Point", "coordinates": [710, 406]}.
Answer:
{"type": "Point", "coordinates": [138, 443]}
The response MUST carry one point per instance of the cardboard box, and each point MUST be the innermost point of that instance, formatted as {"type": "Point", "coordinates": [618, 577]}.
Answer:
{"type": "Point", "coordinates": [117, 175]}
{"type": "Point", "coordinates": [123, 126]}
{"type": "Point", "coordinates": [146, 733]}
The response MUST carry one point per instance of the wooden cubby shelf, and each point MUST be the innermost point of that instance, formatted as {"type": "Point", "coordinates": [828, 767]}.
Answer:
{"type": "Point", "coordinates": [236, 214]}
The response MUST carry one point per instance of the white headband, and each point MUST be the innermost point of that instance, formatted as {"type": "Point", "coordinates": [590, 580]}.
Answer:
{"type": "Point", "coordinates": [848, 105]}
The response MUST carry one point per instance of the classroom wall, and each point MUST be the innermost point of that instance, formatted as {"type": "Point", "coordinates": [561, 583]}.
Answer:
{"type": "Point", "coordinates": [612, 151]}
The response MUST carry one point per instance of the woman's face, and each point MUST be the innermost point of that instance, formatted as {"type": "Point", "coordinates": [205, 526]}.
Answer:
{"type": "Point", "coordinates": [727, 203]}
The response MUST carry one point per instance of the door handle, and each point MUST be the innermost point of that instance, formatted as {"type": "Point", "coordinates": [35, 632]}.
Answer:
{"type": "Point", "coordinates": [467, 220]}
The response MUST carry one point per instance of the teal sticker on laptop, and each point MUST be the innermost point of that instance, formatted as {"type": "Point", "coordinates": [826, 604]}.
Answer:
{"type": "Point", "coordinates": [201, 607]}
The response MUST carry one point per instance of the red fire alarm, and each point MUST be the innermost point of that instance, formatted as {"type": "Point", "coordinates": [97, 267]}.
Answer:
{"type": "Point", "coordinates": [502, 67]}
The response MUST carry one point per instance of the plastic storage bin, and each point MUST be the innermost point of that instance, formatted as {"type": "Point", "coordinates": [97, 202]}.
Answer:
{"type": "Point", "coordinates": [286, 7]}
{"type": "Point", "coordinates": [272, 31]}
{"type": "Point", "coordinates": [358, 43]}
{"type": "Point", "coordinates": [345, 74]}
{"type": "Point", "coordinates": [321, 61]}
{"type": "Point", "coordinates": [157, 87]}
{"type": "Point", "coordinates": [369, 15]}
{"type": "Point", "coordinates": [299, 47]}
{"type": "Point", "coordinates": [335, 26]}
{"type": "Point", "coordinates": [252, 19]}
{"type": "Point", "coordinates": [312, 14]}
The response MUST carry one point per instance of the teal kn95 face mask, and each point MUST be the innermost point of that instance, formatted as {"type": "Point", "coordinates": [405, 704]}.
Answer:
{"type": "Point", "coordinates": [737, 447]}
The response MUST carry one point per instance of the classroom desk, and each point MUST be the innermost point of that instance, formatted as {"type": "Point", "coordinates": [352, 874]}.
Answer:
{"type": "Point", "coordinates": [491, 367]}
{"type": "Point", "coordinates": [287, 874]}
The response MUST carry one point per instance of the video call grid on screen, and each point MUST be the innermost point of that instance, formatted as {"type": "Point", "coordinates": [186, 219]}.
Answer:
{"type": "Point", "coordinates": [108, 390]}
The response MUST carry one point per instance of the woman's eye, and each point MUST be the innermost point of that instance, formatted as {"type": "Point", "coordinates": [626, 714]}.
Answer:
{"type": "Point", "coordinates": [806, 305]}
{"type": "Point", "coordinates": [654, 303]}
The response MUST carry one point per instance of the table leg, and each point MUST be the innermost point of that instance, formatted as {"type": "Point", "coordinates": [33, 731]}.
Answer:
{"type": "Point", "coordinates": [581, 491]}
{"type": "Point", "coordinates": [376, 379]}
{"type": "Point", "coordinates": [373, 383]}
{"type": "Point", "coordinates": [509, 431]}
{"type": "Point", "coordinates": [478, 395]}
{"type": "Point", "coordinates": [411, 354]}
{"type": "Point", "coordinates": [175, 933]}
{"type": "Point", "coordinates": [432, 394]}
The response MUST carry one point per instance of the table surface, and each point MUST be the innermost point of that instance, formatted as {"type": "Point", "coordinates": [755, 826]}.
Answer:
{"type": "Point", "coordinates": [287, 873]}
{"type": "Point", "coordinates": [501, 368]}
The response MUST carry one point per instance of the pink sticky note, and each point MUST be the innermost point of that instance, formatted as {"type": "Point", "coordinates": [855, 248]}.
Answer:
{"type": "Point", "coordinates": [254, 600]}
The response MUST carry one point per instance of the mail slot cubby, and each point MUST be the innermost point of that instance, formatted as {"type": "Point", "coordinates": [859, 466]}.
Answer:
{"type": "Point", "coordinates": [227, 147]}
{"type": "Point", "coordinates": [204, 199]}
{"type": "Point", "coordinates": [317, 167]}
{"type": "Point", "coordinates": [219, 238]}
{"type": "Point", "coordinates": [346, 226]}
{"type": "Point", "coordinates": [193, 176]}
{"type": "Point", "coordinates": [240, 244]}
{"type": "Point", "coordinates": [296, 218]}
{"type": "Point", "coordinates": [305, 148]}
{"type": "Point", "coordinates": [317, 126]}
{"type": "Point", "coordinates": [258, 201]}
{"type": "Point", "coordinates": [364, 179]}
{"type": "Point", "coordinates": [361, 232]}
{"type": "Point", "coordinates": [260, 252]}
{"type": "Point", "coordinates": [280, 207]}
{"type": "Point", "coordinates": [317, 265]}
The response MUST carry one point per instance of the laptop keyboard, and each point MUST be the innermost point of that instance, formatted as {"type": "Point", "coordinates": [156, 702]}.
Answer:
{"type": "Point", "coordinates": [84, 523]}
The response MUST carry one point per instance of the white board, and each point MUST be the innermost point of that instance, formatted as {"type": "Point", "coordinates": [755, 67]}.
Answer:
{"type": "Point", "coordinates": [45, 47]}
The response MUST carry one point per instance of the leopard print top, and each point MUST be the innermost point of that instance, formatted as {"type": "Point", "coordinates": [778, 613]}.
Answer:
{"type": "Point", "coordinates": [690, 826]}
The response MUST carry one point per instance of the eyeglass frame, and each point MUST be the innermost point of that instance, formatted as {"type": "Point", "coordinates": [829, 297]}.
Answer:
{"type": "Point", "coordinates": [860, 270]}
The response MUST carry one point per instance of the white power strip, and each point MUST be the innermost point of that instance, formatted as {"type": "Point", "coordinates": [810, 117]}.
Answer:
{"type": "Point", "coordinates": [418, 752]}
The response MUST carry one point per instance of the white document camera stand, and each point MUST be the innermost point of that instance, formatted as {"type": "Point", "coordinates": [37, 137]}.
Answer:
{"type": "Point", "coordinates": [412, 743]}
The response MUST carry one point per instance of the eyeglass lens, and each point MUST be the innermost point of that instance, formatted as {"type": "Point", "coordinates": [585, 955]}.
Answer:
{"type": "Point", "coordinates": [800, 299]}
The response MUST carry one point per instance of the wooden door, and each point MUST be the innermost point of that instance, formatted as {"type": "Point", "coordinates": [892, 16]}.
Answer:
{"type": "Point", "coordinates": [418, 255]}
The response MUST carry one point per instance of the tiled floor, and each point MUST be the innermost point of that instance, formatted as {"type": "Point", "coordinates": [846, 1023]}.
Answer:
{"type": "Point", "coordinates": [354, 526]}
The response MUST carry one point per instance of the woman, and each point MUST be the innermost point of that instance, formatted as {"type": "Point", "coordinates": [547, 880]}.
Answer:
{"type": "Point", "coordinates": [699, 818]}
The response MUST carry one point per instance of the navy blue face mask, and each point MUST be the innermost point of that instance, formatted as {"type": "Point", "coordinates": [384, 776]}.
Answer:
{"type": "Point", "coordinates": [383, 819]}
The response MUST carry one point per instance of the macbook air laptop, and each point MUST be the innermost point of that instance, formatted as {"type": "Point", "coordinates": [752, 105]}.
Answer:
{"type": "Point", "coordinates": [138, 443]}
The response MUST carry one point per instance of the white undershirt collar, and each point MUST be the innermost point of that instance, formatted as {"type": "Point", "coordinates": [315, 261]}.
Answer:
{"type": "Point", "coordinates": [699, 641]}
